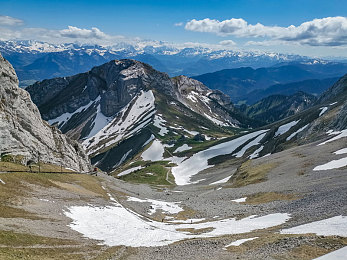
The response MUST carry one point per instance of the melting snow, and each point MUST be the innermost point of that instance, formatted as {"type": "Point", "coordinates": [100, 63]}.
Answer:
{"type": "Point", "coordinates": [62, 119]}
{"type": "Point", "coordinates": [341, 151]}
{"type": "Point", "coordinates": [182, 148]}
{"type": "Point", "coordinates": [241, 241]}
{"type": "Point", "coordinates": [168, 207]}
{"type": "Point", "coordinates": [116, 225]}
{"type": "Point", "coordinates": [159, 122]}
{"type": "Point", "coordinates": [128, 121]}
{"type": "Point", "coordinates": [2, 181]}
{"type": "Point", "coordinates": [285, 128]}
{"type": "Point", "coordinates": [154, 153]}
{"type": "Point", "coordinates": [130, 170]}
{"type": "Point", "coordinates": [334, 164]}
{"type": "Point", "coordinates": [199, 161]}
{"type": "Point", "coordinates": [255, 154]}
{"type": "Point", "coordinates": [254, 142]}
{"type": "Point", "coordinates": [99, 122]}
{"type": "Point", "coordinates": [335, 255]}
{"type": "Point", "coordinates": [332, 104]}
{"type": "Point", "coordinates": [191, 221]}
{"type": "Point", "coordinates": [340, 134]}
{"type": "Point", "coordinates": [335, 226]}
{"type": "Point", "coordinates": [323, 110]}
{"type": "Point", "coordinates": [240, 200]}
{"type": "Point", "coordinates": [296, 132]}
{"type": "Point", "coordinates": [221, 181]}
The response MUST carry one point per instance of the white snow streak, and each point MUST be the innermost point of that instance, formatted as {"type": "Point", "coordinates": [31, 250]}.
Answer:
{"type": "Point", "coordinates": [168, 207]}
{"type": "Point", "coordinates": [285, 128]}
{"type": "Point", "coordinates": [198, 162]}
{"type": "Point", "coordinates": [241, 241]}
{"type": "Point", "coordinates": [341, 151]}
{"type": "Point", "coordinates": [240, 200]}
{"type": "Point", "coordinates": [182, 148]}
{"type": "Point", "coordinates": [334, 164]}
{"type": "Point", "coordinates": [323, 110]}
{"type": "Point", "coordinates": [221, 181]}
{"type": "Point", "coordinates": [296, 132]}
{"type": "Point", "coordinates": [340, 134]}
{"type": "Point", "coordinates": [335, 226]}
{"type": "Point", "coordinates": [339, 254]}
{"type": "Point", "coordinates": [154, 153]}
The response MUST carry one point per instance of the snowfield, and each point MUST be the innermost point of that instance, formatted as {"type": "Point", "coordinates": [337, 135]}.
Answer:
{"type": "Point", "coordinates": [335, 226]}
{"type": "Point", "coordinates": [199, 161]}
{"type": "Point", "coordinates": [115, 225]}
{"type": "Point", "coordinates": [241, 241]}
{"type": "Point", "coordinates": [168, 207]}
{"type": "Point", "coordinates": [131, 119]}
{"type": "Point", "coordinates": [340, 134]}
{"type": "Point", "coordinates": [334, 164]}
{"type": "Point", "coordinates": [154, 153]}
{"type": "Point", "coordinates": [285, 128]}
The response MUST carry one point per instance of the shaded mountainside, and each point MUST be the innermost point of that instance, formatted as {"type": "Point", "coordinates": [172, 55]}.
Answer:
{"type": "Point", "coordinates": [25, 134]}
{"type": "Point", "coordinates": [114, 104]}
{"type": "Point", "coordinates": [239, 83]}
{"type": "Point", "coordinates": [277, 107]}
{"type": "Point", "coordinates": [311, 86]}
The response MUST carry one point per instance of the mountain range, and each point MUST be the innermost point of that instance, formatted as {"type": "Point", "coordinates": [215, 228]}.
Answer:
{"type": "Point", "coordinates": [38, 60]}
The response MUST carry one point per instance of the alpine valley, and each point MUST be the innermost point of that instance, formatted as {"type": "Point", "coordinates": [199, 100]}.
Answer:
{"type": "Point", "coordinates": [246, 159]}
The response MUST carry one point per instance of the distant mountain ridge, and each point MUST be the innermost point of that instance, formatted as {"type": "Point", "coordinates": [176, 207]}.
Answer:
{"type": "Point", "coordinates": [244, 84]}
{"type": "Point", "coordinates": [38, 60]}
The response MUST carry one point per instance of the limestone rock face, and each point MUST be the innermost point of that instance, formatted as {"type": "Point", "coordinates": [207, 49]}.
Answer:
{"type": "Point", "coordinates": [23, 132]}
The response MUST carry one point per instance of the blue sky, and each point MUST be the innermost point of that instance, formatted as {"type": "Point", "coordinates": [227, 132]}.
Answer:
{"type": "Point", "coordinates": [156, 20]}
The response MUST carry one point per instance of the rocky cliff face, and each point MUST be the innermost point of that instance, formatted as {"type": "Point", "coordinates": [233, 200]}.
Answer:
{"type": "Point", "coordinates": [23, 132]}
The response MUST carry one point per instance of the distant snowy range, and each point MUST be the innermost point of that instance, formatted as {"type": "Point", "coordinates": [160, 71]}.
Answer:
{"type": "Point", "coordinates": [35, 60]}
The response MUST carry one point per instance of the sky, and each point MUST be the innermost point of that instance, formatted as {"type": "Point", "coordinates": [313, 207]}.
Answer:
{"type": "Point", "coordinates": [305, 27]}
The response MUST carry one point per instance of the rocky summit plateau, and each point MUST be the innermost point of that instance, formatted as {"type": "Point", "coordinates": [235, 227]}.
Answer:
{"type": "Point", "coordinates": [123, 161]}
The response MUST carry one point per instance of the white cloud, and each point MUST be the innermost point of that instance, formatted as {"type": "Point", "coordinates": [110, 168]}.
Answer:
{"type": "Point", "coordinates": [228, 43]}
{"type": "Point", "coordinates": [71, 34]}
{"type": "Point", "coordinates": [329, 31]}
{"type": "Point", "coordinates": [75, 32]}
{"type": "Point", "coordinates": [9, 21]}
{"type": "Point", "coordinates": [178, 24]}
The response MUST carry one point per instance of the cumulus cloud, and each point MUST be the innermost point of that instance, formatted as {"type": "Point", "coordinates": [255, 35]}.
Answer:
{"type": "Point", "coordinates": [71, 34]}
{"type": "Point", "coordinates": [9, 21]}
{"type": "Point", "coordinates": [329, 31]}
{"type": "Point", "coordinates": [228, 43]}
{"type": "Point", "coordinates": [75, 32]}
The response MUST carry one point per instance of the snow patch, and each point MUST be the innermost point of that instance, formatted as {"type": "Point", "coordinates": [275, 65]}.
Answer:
{"type": "Point", "coordinates": [335, 255]}
{"type": "Point", "coordinates": [334, 164]}
{"type": "Point", "coordinates": [335, 226]}
{"type": "Point", "coordinates": [241, 241]}
{"type": "Point", "coordinates": [341, 151]}
{"type": "Point", "coordinates": [255, 154]}
{"type": "Point", "coordinates": [131, 170]}
{"type": "Point", "coordinates": [160, 123]}
{"type": "Point", "coordinates": [154, 153]}
{"type": "Point", "coordinates": [340, 134]}
{"type": "Point", "coordinates": [199, 161]}
{"type": "Point", "coordinates": [168, 207]}
{"type": "Point", "coordinates": [296, 132]}
{"type": "Point", "coordinates": [116, 225]}
{"type": "Point", "coordinates": [182, 148]}
{"type": "Point", "coordinates": [240, 200]}
{"type": "Point", "coordinates": [285, 128]}
{"type": "Point", "coordinates": [254, 142]}
{"type": "Point", "coordinates": [323, 110]}
{"type": "Point", "coordinates": [221, 181]}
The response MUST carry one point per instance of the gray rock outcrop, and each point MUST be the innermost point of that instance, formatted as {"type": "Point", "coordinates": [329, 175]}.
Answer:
{"type": "Point", "coordinates": [23, 132]}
